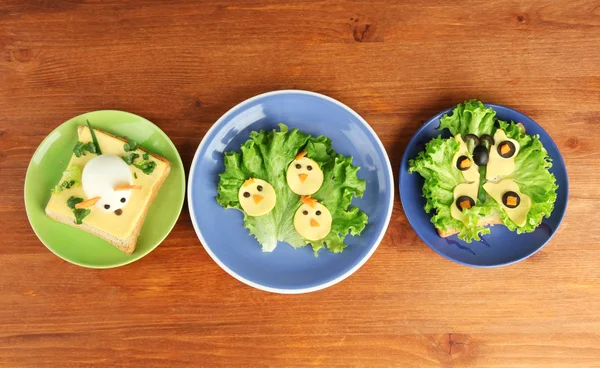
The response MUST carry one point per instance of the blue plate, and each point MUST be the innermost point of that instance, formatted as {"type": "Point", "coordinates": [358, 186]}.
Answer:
{"type": "Point", "coordinates": [288, 270]}
{"type": "Point", "coordinates": [501, 247]}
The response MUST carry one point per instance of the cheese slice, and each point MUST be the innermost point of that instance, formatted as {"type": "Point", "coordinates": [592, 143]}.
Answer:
{"type": "Point", "coordinates": [313, 222]}
{"type": "Point", "coordinates": [123, 225]}
{"type": "Point", "coordinates": [518, 215]}
{"type": "Point", "coordinates": [304, 176]}
{"type": "Point", "coordinates": [472, 173]}
{"type": "Point", "coordinates": [498, 166]}
{"type": "Point", "coordinates": [464, 189]}
{"type": "Point", "coordinates": [257, 197]}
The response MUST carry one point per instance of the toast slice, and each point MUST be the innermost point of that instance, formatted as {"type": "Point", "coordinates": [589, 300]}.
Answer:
{"type": "Point", "coordinates": [490, 220]}
{"type": "Point", "coordinates": [121, 230]}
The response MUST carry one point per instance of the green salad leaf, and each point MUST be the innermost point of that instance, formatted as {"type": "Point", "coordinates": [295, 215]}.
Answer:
{"type": "Point", "coordinates": [72, 178]}
{"type": "Point", "coordinates": [532, 175]}
{"type": "Point", "coordinates": [472, 117]}
{"type": "Point", "coordinates": [267, 155]}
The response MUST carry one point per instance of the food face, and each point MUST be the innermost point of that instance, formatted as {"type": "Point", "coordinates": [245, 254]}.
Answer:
{"type": "Point", "coordinates": [257, 197]}
{"type": "Point", "coordinates": [108, 180]}
{"type": "Point", "coordinates": [312, 220]}
{"type": "Point", "coordinates": [304, 176]}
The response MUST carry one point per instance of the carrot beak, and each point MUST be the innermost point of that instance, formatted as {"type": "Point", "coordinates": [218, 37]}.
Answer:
{"type": "Point", "coordinates": [257, 198]}
{"type": "Point", "coordinates": [87, 203]}
{"type": "Point", "coordinates": [314, 223]}
{"type": "Point", "coordinates": [126, 187]}
{"type": "Point", "coordinates": [302, 177]}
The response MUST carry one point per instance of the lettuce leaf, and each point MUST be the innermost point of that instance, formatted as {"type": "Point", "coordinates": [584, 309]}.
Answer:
{"type": "Point", "coordinates": [533, 177]}
{"type": "Point", "coordinates": [72, 179]}
{"type": "Point", "coordinates": [267, 155]}
{"type": "Point", "coordinates": [436, 167]}
{"type": "Point", "coordinates": [472, 117]}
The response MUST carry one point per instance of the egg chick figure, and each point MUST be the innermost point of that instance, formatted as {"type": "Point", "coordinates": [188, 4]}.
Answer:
{"type": "Point", "coordinates": [304, 176]}
{"type": "Point", "coordinates": [107, 182]}
{"type": "Point", "coordinates": [257, 197]}
{"type": "Point", "coordinates": [312, 220]}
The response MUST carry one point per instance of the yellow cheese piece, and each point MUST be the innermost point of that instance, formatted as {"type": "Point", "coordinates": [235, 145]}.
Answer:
{"type": "Point", "coordinates": [301, 180]}
{"type": "Point", "coordinates": [257, 197]}
{"type": "Point", "coordinates": [464, 189]}
{"type": "Point", "coordinates": [472, 173]}
{"type": "Point", "coordinates": [313, 222]}
{"type": "Point", "coordinates": [119, 226]}
{"type": "Point", "coordinates": [499, 166]}
{"type": "Point", "coordinates": [496, 190]}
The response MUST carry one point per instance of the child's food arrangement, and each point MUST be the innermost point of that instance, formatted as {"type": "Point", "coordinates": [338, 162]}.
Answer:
{"type": "Point", "coordinates": [489, 172]}
{"type": "Point", "coordinates": [108, 187]}
{"type": "Point", "coordinates": [293, 188]}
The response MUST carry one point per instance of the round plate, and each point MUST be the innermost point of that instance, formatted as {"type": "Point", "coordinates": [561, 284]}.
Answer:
{"type": "Point", "coordinates": [50, 160]}
{"type": "Point", "coordinates": [500, 247]}
{"type": "Point", "coordinates": [288, 270]}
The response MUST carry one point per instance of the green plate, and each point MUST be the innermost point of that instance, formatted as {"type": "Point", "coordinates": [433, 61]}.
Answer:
{"type": "Point", "coordinates": [50, 160]}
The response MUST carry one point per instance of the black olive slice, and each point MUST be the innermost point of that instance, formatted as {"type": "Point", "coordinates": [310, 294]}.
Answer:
{"type": "Point", "coordinates": [511, 199]}
{"type": "Point", "coordinates": [305, 212]}
{"type": "Point", "coordinates": [464, 202]}
{"type": "Point", "coordinates": [506, 149]}
{"type": "Point", "coordinates": [246, 194]}
{"type": "Point", "coordinates": [487, 138]}
{"type": "Point", "coordinates": [481, 155]}
{"type": "Point", "coordinates": [107, 206]}
{"type": "Point", "coordinates": [298, 166]}
{"type": "Point", "coordinates": [259, 188]}
{"type": "Point", "coordinates": [463, 163]}
{"type": "Point", "coordinates": [473, 137]}
{"type": "Point", "coordinates": [308, 167]}
{"type": "Point", "coordinates": [318, 213]}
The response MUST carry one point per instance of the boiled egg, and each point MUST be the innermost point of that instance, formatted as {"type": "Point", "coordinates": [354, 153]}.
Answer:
{"type": "Point", "coordinates": [107, 182]}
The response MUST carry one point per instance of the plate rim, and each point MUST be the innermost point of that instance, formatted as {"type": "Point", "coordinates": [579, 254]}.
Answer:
{"type": "Point", "coordinates": [129, 261]}
{"type": "Point", "coordinates": [346, 274]}
{"type": "Point", "coordinates": [404, 171]}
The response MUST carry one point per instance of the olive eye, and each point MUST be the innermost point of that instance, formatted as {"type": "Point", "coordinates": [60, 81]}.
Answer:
{"type": "Point", "coordinates": [305, 212]}
{"type": "Point", "coordinates": [107, 206]}
{"type": "Point", "coordinates": [463, 163]}
{"type": "Point", "coordinates": [246, 194]}
{"type": "Point", "coordinates": [123, 200]}
{"type": "Point", "coordinates": [511, 199]}
{"type": "Point", "coordinates": [464, 202]}
{"type": "Point", "coordinates": [259, 188]}
{"type": "Point", "coordinates": [309, 168]}
{"type": "Point", "coordinates": [506, 149]}
{"type": "Point", "coordinates": [318, 213]}
{"type": "Point", "coordinates": [298, 166]}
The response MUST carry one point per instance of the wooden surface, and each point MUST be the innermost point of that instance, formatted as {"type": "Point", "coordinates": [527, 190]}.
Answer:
{"type": "Point", "coordinates": [183, 64]}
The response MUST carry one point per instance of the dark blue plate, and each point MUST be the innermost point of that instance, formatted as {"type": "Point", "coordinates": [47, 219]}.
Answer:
{"type": "Point", "coordinates": [288, 270]}
{"type": "Point", "coordinates": [501, 247]}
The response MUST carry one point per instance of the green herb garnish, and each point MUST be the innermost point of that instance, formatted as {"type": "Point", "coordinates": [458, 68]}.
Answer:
{"type": "Point", "coordinates": [94, 139]}
{"type": "Point", "coordinates": [80, 214]}
{"type": "Point", "coordinates": [135, 175]}
{"type": "Point", "coordinates": [147, 167]}
{"type": "Point", "coordinates": [72, 179]}
{"type": "Point", "coordinates": [131, 145]}
{"type": "Point", "coordinates": [130, 158]}
{"type": "Point", "coordinates": [72, 201]}
{"type": "Point", "coordinates": [146, 155]}
{"type": "Point", "coordinates": [80, 148]}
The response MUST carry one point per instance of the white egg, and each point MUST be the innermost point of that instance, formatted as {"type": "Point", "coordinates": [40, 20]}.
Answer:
{"type": "Point", "coordinates": [100, 177]}
{"type": "Point", "coordinates": [304, 176]}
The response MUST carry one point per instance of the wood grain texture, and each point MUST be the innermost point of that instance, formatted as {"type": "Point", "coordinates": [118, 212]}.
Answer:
{"type": "Point", "coordinates": [182, 64]}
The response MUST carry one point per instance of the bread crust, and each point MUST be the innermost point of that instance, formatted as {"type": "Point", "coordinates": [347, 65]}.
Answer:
{"type": "Point", "coordinates": [128, 244]}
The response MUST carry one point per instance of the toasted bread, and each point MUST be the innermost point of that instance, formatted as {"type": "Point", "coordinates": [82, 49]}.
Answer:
{"type": "Point", "coordinates": [120, 230]}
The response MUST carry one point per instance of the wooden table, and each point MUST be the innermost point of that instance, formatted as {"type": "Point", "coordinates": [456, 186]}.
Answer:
{"type": "Point", "coordinates": [183, 64]}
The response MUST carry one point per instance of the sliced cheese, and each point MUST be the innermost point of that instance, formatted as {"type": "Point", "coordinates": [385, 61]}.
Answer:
{"type": "Point", "coordinates": [257, 197]}
{"type": "Point", "coordinates": [301, 179]}
{"type": "Point", "coordinates": [498, 166]}
{"type": "Point", "coordinates": [464, 189]}
{"type": "Point", "coordinates": [313, 222]}
{"type": "Point", "coordinates": [518, 215]}
{"type": "Point", "coordinates": [472, 173]}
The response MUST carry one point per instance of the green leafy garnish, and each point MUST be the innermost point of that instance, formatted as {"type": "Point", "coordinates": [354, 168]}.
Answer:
{"type": "Point", "coordinates": [72, 178]}
{"type": "Point", "coordinates": [267, 155]}
{"type": "Point", "coordinates": [72, 201]}
{"type": "Point", "coordinates": [147, 167]}
{"type": "Point", "coordinates": [94, 139]}
{"type": "Point", "coordinates": [146, 155]}
{"type": "Point", "coordinates": [80, 214]}
{"type": "Point", "coordinates": [135, 175]}
{"type": "Point", "coordinates": [80, 148]}
{"type": "Point", "coordinates": [130, 158]}
{"type": "Point", "coordinates": [131, 145]}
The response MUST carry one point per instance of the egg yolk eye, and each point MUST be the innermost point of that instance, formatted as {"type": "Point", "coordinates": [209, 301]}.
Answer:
{"type": "Point", "coordinates": [259, 188]}
{"type": "Point", "coordinates": [107, 206]}
{"type": "Point", "coordinates": [305, 212]}
{"type": "Point", "coordinates": [318, 213]}
{"type": "Point", "coordinates": [298, 166]}
{"type": "Point", "coordinates": [246, 194]}
{"type": "Point", "coordinates": [309, 168]}
{"type": "Point", "coordinates": [123, 200]}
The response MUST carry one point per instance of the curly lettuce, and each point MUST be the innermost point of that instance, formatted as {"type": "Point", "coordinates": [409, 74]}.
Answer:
{"type": "Point", "coordinates": [72, 178]}
{"type": "Point", "coordinates": [267, 155]}
{"type": "Point", "coordinates": [472, 117]}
